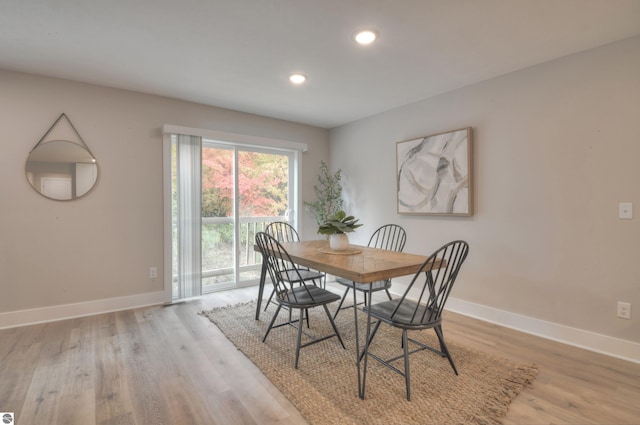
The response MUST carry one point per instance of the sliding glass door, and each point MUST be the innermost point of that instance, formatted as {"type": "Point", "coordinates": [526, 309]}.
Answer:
{"type": "Point", "coordinates": [243, 189]}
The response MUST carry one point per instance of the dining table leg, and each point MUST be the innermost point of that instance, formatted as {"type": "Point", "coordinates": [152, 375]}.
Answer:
{"type": "Point", "coordinates": [362, 356]}
{"type": "Point", "coordinates": [365, 352]}
{"type": "Point", "coordinates": [355, 322]}
{"type": "Point", "coordinates": [263, 276]}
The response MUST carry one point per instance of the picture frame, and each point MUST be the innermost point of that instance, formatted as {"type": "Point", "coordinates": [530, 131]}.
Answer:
{"type": "Point", "coordinates": [434, 174]}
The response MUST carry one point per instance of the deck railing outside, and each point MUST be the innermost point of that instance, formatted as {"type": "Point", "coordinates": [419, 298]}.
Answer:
{"type": "Point", "coordinates": [217, 247]}
{"type": "Point", "coordinates": [217, 250]}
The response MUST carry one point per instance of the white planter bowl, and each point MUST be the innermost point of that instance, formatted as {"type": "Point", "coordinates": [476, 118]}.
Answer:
{"type": "Point", "coordinates": [339, 241]}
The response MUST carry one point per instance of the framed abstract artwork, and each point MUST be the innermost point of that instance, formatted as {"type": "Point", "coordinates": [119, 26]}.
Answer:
{"type": "Point", "coordinates": [434, 174]}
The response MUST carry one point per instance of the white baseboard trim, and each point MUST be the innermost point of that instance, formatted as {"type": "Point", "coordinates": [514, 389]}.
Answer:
{"type": "Point", "coordinates": [614, 347]}
{"type": "Point", "coordinates": [14, 319]}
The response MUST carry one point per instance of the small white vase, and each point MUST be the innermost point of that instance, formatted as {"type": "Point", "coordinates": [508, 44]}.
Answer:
{"type": "Point", "coordinates": [339, 241]}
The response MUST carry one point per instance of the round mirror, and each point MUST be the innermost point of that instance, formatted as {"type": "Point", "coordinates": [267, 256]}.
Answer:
{"type": "Point", "coordinates": [61, 170]}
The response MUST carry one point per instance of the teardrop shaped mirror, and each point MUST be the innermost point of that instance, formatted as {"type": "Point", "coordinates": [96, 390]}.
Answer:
{"type": "Point", "coordinates": [61, 169]}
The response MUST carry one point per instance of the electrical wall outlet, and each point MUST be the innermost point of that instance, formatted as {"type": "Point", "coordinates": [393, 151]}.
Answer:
{"type": "Point", "coordinates": [625, 210]}
{"type": "Point", "coordinates": [153, 272]}
{"type": "Point", "coordinates": [624, 310]}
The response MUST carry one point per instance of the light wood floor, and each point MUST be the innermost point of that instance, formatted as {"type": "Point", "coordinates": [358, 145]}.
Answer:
{"type": "Point", "coordinates": [168, 365]}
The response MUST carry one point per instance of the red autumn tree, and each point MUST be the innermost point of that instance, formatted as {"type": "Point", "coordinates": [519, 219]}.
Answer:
{"type": "Point", "coordinates": [262, 183]}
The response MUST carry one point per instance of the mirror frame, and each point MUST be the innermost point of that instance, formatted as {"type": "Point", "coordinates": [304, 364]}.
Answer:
{"type": "Point", "coordinates": [62, 160]}
{"type": "Point", "coordinates": [64, 165]}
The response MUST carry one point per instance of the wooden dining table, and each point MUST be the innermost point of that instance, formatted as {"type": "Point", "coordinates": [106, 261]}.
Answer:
{"type": "Point", "coordinates": [357, 263]}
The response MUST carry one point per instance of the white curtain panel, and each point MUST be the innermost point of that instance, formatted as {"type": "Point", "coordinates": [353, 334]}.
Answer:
{"type": "Point", "coordinates": [189, 217]}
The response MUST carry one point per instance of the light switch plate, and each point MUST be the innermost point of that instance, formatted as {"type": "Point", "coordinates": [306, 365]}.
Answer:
{"type": "Point", "coordinates": [625, 210]}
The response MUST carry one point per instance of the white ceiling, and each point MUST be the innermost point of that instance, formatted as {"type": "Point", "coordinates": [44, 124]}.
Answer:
{"type": "Point", "coordinates": [237, 54]}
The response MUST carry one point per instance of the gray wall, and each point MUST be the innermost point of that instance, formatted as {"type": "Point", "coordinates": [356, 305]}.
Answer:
{"type": "Point", "coordinates": [101, 246]}
{"type": "Point", "coordinates": [556, 149]}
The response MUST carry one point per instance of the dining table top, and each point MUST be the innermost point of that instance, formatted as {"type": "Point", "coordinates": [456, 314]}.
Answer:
{"type": "Point", "coordinates": [357, 263]}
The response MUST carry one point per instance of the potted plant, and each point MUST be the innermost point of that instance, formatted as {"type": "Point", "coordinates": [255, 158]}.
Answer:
{"type": "Point", "coordinates": [337, 226]}
{"type": "Point", "coordinates": [329, 194]}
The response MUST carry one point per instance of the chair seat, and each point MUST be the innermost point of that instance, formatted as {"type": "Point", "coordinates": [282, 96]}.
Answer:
{"type": "Point", "coordinates": [305, 275]}
{"type": "Point", "coordinates": [305, 297]}
{"type": "Point", "coordinates": [379, 285]}
{"type": "Point", "coordinates": [310, 274]}
{"type": "Point", "coordinates": [407, 317]}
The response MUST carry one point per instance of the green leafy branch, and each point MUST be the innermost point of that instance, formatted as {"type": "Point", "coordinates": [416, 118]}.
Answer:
{"type": "Point", "coordinates": [328, 193]}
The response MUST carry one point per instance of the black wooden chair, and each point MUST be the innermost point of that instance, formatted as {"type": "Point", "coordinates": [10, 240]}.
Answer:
{"type": "Point", "coordinates": [292, 291]}
{"type": "Point", "coordinates": [390, 237]}
{"type": "Point", "coordinates": [431, 285]}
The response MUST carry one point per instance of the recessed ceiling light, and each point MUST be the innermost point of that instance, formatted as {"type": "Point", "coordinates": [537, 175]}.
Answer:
{"type": "Point", "coordinates": [297, 78]}
{"type": "Point", "coordinates": [365, 37]}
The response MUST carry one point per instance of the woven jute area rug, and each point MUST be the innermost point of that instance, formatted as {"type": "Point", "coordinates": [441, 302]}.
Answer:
{"type": "Point", "coordinates": [324, 387]}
